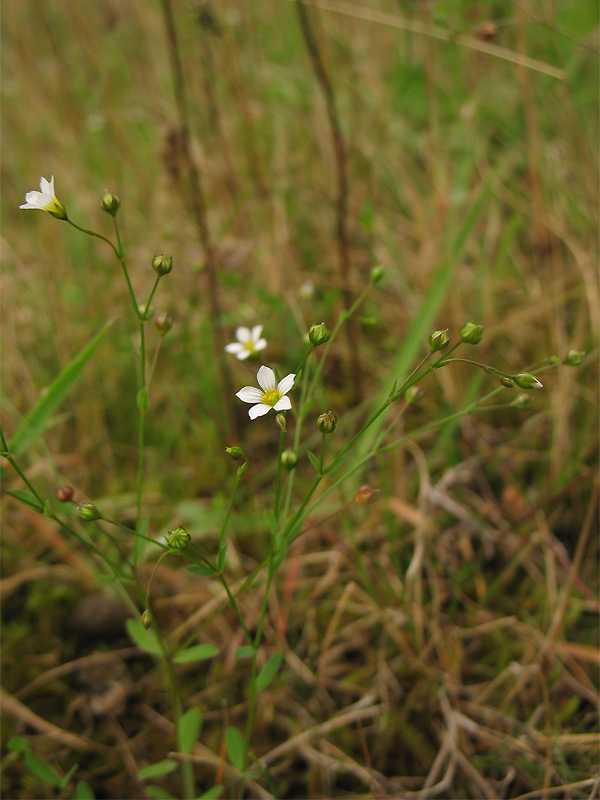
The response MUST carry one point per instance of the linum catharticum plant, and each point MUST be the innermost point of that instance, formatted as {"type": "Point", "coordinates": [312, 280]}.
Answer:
{"type": "Point", "coordinates": [119, 549]}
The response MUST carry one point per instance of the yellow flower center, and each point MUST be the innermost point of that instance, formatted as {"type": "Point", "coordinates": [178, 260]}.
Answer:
{"type": "Point", "coordinates": [271, 397]}
{"type": "Point", "coordinates": [249, 345]}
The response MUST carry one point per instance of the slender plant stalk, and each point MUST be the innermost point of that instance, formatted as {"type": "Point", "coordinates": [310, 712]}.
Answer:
{"type": "Point", "coordinates": [341, 180]}
{"type": "Point", "coordinates": [197, 198]}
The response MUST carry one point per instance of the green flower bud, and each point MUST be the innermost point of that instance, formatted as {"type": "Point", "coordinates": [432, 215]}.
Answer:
{"type": "Point", "coordinates": [88, 512]}
{"type": "Point", "coordinates": [319, 334]}
{"type": "Point", "coordinates": [235, 452]}
{"type": "Point", "coordinates": [574, 358]}
{"type": "Point", "coordinates": [522, 401]}
{"type": "Point", "coordinates": [65, 493]}
{"type": "Point", "coordinates": [438, 340]}
{"type": "Point", "coordinates": [471, 333]}
{"type": "Point", "coordinates": [162, 264]}
{"type": "Point", "coordinates": [525, 380]}
{"type": "Point", "coordinates": [163, 323]}
{"type": "Point", "coordinates": [280, 420]}
{"type": "Point", "coordinates": [110, 203]}
{"type": "Point", "coordinates": [178, 539]}
{"type": "Point", "coordinates": [326, 422]}
{"type": "Point", "coordinates": [506, 382]}
{"type": "Point", "coordinates": [377, 274]}
{"type": "Point", "coordinates": [289, 459]}
{"type": "Point", "coordinates": [146, 619]}
{"type": "Point", "coordinates": [554, 360]}
{"type": "Point", "coordinates": [413, 395]}
{"type": "Point", "coordinates": [146, 311]}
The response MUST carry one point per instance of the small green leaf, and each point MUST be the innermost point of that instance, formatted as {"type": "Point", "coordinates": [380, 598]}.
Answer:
{"type": "Point", "coordinates": [268, 672]}
{"type": "Point", "coordinates": [145, 639]}
{"type": "Point", "coordinates": [47, 509]}
{"type": "Point", "coordinates": [221, 557]}
{"type": "Point", "coordinates": [68, 776]}
{"type": "Point", "coordinates": [43, 770]}
{"type": "Point", "coordinates": [189, 729]}
{"type": "Point", "coordinates": [26, 498]}
{"type": "Point", "coordinates": [314, 461]}
{"type": "Point", "coordinates": [140, 544]}
{"type": "Point", "coordinates": [200, 569]}
{"type": "Point", "coordinates": [236, 747]}
{"type": "Point", "coordinates": [83, 791]}
{"type": "Point", "coordinates": [157, 769]}
{"type": "Point", "coordinates": [211, 794]}
{"type": "Point", "coordinates": [18, 743]}
{"type": "Point", "coordinates": [199, 652]}
{"type": "Point", "coordinates": [158, 793]}
{"type": "Point", "coordinates": [34, 423]}
{"type": "Point", "coordinates": [245, 651]}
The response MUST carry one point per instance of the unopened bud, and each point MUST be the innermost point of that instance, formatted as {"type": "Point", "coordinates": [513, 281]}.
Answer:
{"type": "Point", "coordinates": [280, 420]}
{"type": "Point", "coordinates": [289, 459]}
{"type": "Point", "coordinates": [162, 264]}
{"type": "Point", "coordinates": [88, 512]}
{"type": "Point", "coordinates": [438, 340]}
{"type": "Point", "coordinates": [110, 203]}
{"type": "Point", "coordinates": [506, 382]}
{"type": "Point", "coordinates": [413, 395]}
{"type": "Point", "coordinates": [146, 311]}
{"type": "Point", "coordinates": [553, 361]}
{"type": "Point", "coordinates": [146, 619]}
{"type": "Point", "coordinates": [326, 422]}
{"type": "Point", "coordinates": [163, 323]}
{"type": "Point", "coordinates": [235, 452]}
{"type": "Point", "coordinates": [65, 494]}
{"type": "Point", "coordinates": [471, 333]}
{"type": "Point", "coordinates": [522, 401]}
{"type": "Point", "coordinates": [574, 358]}
{"type": "Point", "coordinates": [525, 380]}
{"type": "Point", "coordinates": [178, 539]}
{"type": "Point", "coordinates": [366, 495]}
{"type": "Point", "coordinates": [377, 274]}
{"type": "Point", "coordinates": [319, 334]}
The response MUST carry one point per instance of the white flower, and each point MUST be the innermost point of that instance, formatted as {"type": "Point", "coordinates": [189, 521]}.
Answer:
{"type": "Point", "coordinates": [45, 200]}
{"type": "Point", "coordinates": [248, 342]}
{"type": "Point", "coordinates": [271, 395]}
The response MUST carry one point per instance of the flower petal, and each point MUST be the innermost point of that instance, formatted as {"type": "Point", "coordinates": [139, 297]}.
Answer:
{"type": "Point", "coordinates": [243, 354]}
{"type": "Point", "coordinates": [283, 405]}
{"type": "Point", "coordinates": [234, 347]}
{"type": "Point", "coordinates": [285, 384]}
{"type": "Point", "coordinates": [256, 332]}
{"type": "Point", "coordinates": [266, 378]}
{"type": "Point", "coordinates": [260, 344]}
{"type": "Point", "coordinates": [259, 411]}
{"type": "Point", "coordinates": [250, 394]}
{"type": "Point", "coordinates": [243, 335]}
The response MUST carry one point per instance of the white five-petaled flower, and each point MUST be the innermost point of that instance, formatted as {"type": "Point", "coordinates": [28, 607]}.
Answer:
{"type": "Point", "coordinates": [248, 342]}
{"type": "Point", "coordinates": [45, 200]}
{"type": "Point", "coordinates": [271, 395]}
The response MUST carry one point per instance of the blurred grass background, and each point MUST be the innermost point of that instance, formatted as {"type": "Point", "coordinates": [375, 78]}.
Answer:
{"type": "Point", "coordinates": [473, 181]}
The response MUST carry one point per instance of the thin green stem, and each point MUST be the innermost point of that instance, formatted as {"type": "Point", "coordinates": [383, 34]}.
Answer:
{"type": "Point", "coordinates": [229, 509]}
{"type": "Point", "coordinates": [118, 251]}
{"type": "Point", "coordinates": [141, 426]}
{"type": "Point", "coordinates": [154, 288]}
{"type": "Point", "coordinates": [153, 365]}
{"type": "Point", "coordinates": [278, 478]}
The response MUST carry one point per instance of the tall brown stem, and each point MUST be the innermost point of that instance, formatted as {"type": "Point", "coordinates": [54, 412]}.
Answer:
{"type": "Point", "coordinates": [341, 162]}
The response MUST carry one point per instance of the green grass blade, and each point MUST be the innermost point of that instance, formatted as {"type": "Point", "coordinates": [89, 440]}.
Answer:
{"type": "Point", "coordinates": [33, 425]}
